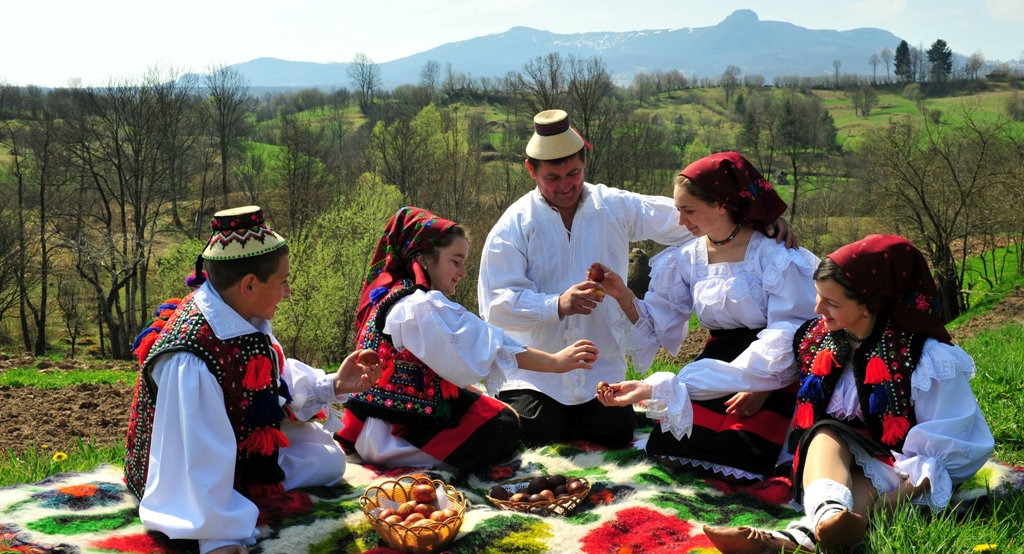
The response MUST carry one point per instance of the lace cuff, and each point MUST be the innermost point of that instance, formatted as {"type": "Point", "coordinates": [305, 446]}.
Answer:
{"type": "Point", "coordinates": [670, 403]}
{"type": "Point", "coordinates": [940, 485]}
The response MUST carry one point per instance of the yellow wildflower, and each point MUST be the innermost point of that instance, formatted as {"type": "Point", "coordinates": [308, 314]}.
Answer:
{"type": "Point", "coordinates": [59, 456]}
{"type": "Point", "coordinates": [985, 547]}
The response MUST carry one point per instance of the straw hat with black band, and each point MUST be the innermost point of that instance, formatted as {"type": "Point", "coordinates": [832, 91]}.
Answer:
{"type": "Point", "coordinates": [553, 137]}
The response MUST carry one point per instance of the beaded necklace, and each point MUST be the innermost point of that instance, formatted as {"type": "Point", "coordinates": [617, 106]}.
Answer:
{"type": "Point", "coordinates": [728, 239]}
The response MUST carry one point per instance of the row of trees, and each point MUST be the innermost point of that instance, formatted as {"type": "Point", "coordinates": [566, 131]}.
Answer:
{"type": "Point", "coordinates": [110, 189]}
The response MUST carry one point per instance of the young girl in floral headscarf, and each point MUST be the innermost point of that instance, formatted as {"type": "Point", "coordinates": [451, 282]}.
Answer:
{"type": "Point", "coordinates": [424, 410]}
{"type": "Point", "coordinates": [885, 410]}
{"type": "Point", "coordinates": [728, 411]}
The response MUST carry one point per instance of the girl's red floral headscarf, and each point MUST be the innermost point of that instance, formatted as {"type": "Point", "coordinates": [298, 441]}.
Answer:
{"type": "Point", "coordinates": [890, 273]}
{"type": "Point", "coordinates": [733, 181]}
{"type": "Point", "coordinates": [410, 232]}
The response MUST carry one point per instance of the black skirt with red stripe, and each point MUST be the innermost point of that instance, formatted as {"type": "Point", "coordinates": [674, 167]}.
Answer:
{"type": "Point", "coordinates": [748, 443]}
{"type": "Point", "coordinates": [481, 430]}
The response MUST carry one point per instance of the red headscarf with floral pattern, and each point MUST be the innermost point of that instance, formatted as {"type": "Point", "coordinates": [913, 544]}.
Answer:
{"type": "Point", "coordinates": [888, 272]}
{"type": "Point", "coordinates": [410, 232]}
{"type": "Point", "coordinates": [732, 180]}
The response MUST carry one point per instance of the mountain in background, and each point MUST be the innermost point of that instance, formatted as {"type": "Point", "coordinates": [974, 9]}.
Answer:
{"type": "Point", "coordinates": [766, 48]}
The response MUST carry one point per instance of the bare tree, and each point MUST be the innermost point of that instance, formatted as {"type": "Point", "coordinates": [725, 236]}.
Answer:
{"type": "Point", "coordinates": [887, 58]}
{"type": "Point", "coordinates": [974, 65]}
{"type": "Point", "coordinates": [592, 104]}
{"type": "Point", "coordinates": [117, 143]}
{"type": "Point", "coordinates": [228, 105]}
{"type": "Point", "coordinates": [301, 172]}
{"type": "Point", "coordinates": [430, 77]}
{"type": "Point", "coordinates": [932, 182]}
{"type": "Point", "coordinates": [864, 99]}
{"type": "Point", "coordinates": [543, 84]}
{"type": "Point", "coordinates": [366, 77]}
{"type": "Point", "coordinates": [730, 81]}
{"type": "Point", "coordinates": [804, 128]}
{"type": "Point", "coordinates": [873, 61]}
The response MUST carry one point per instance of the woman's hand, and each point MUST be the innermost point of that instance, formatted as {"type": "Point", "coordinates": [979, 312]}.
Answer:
{"type": "Point", "coordinates": [746, 403]}
{"type": "Point", "coordinates": [782, 232]}
{"type": "Point", "coordinates": [888, 501]}
{"type": "Point", "coordinates": [615, 286]}
{"type": "Point", "coordinates": [579, 355]}
{"type": "Point", "coordinates": [358, 372]}
{"type": "Point", "coordinates": [625, 393]}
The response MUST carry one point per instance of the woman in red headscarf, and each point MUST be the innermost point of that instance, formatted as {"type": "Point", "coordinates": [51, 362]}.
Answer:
{"type": "Point", "coordinates": [885, 411]}
{"type": "Point", "coordinates": [728, 411]}
{"type": "Point", "coordinates": [425, 410]}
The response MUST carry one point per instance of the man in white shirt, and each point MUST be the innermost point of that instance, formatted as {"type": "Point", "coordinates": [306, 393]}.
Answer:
{"type": "Point", "coordinates": [533, 283]}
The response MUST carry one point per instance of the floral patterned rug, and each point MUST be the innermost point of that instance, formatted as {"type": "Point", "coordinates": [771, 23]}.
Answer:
{"type": "Point", "coordinates": [635, 506]}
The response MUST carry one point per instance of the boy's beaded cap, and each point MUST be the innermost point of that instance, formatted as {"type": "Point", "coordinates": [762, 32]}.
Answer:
{"type": "Point", "coordinates": [240, 233]}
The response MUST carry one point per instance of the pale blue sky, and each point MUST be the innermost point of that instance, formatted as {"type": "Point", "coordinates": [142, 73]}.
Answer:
{"type": "Point", "coordinates": [52, 42]}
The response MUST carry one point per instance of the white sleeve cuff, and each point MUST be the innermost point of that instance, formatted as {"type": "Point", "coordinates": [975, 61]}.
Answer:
{"type": "Point", "coordinates": [670, 403]}
{"type": "Point", "coordinates": [918, 468]}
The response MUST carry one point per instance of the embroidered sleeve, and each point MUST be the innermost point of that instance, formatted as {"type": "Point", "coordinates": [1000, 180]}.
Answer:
{"type": "Point", "coordinates": [951, 440]}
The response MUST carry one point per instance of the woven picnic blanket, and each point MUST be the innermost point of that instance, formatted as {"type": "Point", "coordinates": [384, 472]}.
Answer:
{"type": "Point", "coordinates": [634, 506]}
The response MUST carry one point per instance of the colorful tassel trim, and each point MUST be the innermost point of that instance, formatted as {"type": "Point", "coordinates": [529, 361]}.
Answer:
{"type": "Point", "coordinates": [812, 389]}
{"type": "Point", "coordinates": [876, 372]}
{"type": "Point", "coordinates": [823, 362]}
{"type": "Point", "coordinates": [257, 373]}
{"type": "Point", "coordinates": [878, 402]}
{"type": "Point", "coordinates": [264, 440]}
{"type": "Point", "coordinates": [265, 410]}
{"type": "Point", "coordinates": [894, 429]}
{"type": "Point", "coordinates": [265, 490]}
{"type": "Point", "coordinates": [804, 416]}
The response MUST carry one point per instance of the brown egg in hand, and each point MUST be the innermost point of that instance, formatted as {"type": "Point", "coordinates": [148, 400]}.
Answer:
{"type": "Point", "coordinates": [368, 357]}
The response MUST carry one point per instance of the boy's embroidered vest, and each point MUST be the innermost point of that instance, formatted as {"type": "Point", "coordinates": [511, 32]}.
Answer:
{"type": "Point", "coordinates": [882, 368]}
{"type": "Point", "coordinates": [247, 369]}
{"type": "Point", "coordinates": [407, 391]}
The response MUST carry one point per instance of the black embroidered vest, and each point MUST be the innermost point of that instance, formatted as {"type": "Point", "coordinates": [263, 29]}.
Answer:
{"type": "Point", "coordinates": [408, 391]}
{"type": "Point", "coordinates": [247, 369]}
{"type": "Point", "coordinates": [882, 369]}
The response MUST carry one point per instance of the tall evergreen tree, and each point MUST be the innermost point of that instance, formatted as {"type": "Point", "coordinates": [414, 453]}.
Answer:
{"type": "Point", "coordinates": [940, 61]}
{"type": "Point", "coordinates": [904, 69]}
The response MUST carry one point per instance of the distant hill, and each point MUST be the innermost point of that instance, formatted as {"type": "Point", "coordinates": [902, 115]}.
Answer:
{"type": "Point", "coordinates": [766, 48]}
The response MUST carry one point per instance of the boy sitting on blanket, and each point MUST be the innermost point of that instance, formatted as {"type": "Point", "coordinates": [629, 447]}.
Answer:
{"type": "Point", "coordinates": [221, 420]}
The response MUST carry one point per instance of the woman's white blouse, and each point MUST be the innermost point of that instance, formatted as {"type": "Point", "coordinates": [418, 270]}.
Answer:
{"type": "Point", "coordinates": [771, 288]}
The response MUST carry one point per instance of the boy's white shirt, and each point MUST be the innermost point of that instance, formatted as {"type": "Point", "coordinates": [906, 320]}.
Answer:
{"type": "Point", "coordinates": [189, 493]}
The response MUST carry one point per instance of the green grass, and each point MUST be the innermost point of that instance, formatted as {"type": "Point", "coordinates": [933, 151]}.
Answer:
{"type": "Point", "coordinates": [44, 379]}
{"type": "Point", "coordinates": [41, 462]}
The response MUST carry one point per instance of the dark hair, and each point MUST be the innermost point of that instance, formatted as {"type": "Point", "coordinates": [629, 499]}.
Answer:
{"type": "Point", "coordinates": [446, 239]}
{"type": "Point", "coordinates": [828, 269]}
{"type": "Point", "coordinates": [684, 182]}
{"type": "Point", "coordinates": [581, 154]}
{"type": "Point", "coordinates": [224, 273]}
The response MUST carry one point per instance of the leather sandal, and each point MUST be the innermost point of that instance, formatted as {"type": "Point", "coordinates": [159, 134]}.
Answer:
{"type": "Point", "coordinates": [841, 532]}
{"type": "Point", "coordinates": [746, 540]}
